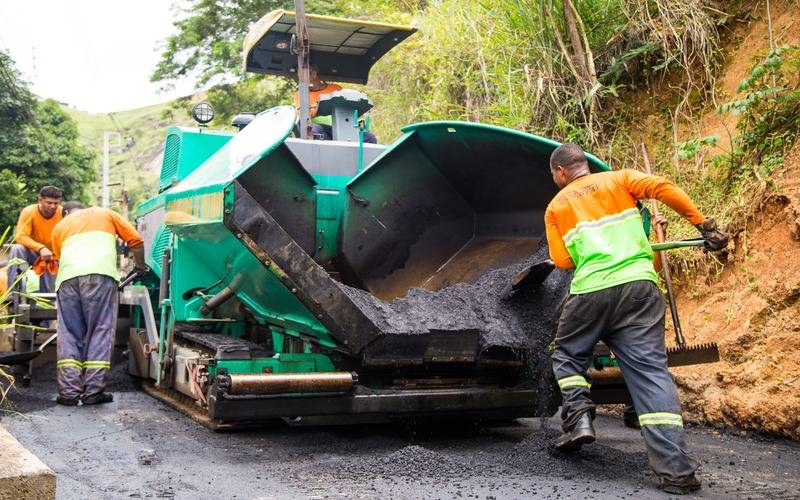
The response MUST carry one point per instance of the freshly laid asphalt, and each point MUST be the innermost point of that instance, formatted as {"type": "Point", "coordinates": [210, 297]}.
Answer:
{"type": "Point", "coordinates": [137, 447]}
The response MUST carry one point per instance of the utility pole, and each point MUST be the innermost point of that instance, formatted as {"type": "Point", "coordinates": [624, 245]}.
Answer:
{"type": "Point", "coordinates": [303, 77]}
{"type": "Point", "coordinates": [106, 135]}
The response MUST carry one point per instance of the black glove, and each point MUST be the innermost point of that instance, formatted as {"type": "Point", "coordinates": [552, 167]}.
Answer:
{"type": "Point", "coordinates": [716, 240]}
{"type": "Point", "coordinates": [138, 259]}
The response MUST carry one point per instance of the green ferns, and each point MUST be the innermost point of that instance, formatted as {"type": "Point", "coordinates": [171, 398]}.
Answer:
{"type": "Point", "coordinates": [770, 115]}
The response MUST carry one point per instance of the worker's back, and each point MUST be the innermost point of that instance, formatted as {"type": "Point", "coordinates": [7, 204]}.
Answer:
{"type": "Point", "coordinates": [85, 242]}
{"type": "Point", "coordinates": [601, 231]}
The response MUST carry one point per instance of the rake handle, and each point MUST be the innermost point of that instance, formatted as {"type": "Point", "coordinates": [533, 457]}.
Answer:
{"type": "Point", "coordinates": [671, 245]}
{"type": "Point", "coordinates": [679, 339]}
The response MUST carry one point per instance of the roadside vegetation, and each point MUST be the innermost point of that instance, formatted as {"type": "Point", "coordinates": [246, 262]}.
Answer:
{"type": "Point", "coordinates": [38, 146]}
{"type": "Point", "coordinates": [7, 380]}
{"type": "Point", "coordinates": [572, 70]}
{"type": "Point", "coordinates": [584, 71]}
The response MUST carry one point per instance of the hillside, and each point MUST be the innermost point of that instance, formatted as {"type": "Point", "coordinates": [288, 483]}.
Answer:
{"type": "Point", "coordinates": [745, 300]}
{"type": "Point", "coordinates": [136, 164]}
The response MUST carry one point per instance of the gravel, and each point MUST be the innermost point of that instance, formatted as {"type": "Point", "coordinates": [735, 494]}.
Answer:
{"type": "Point", "coordinates": [524, 322]}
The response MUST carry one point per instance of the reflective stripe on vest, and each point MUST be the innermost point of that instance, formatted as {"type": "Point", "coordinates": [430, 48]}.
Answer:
{"type": "Point", "coordinates": [661, 418]}
{"type": "Point", "coordinates": [609, 251]}
{"type": "Point", "coordinates": [573, 381]}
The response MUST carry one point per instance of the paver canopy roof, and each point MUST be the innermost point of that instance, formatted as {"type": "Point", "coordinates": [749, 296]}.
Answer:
{"type": "Point", "coordinates": [343, 50]}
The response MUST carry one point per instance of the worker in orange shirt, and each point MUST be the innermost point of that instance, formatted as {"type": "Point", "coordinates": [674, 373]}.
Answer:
{"type": "Point", "coordinates": [85, 243]}
{"type": "Point", "coordinates": [33, 237]}
{"type": "Point", "coordinates": [594, 227]}
{"type": "Point", "coordinates": [322, 125]}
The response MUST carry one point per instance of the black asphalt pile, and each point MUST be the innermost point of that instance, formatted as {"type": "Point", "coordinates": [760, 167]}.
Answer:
{"type": "Point", "coordinates": [532, 456]}
{"type": "Point", "coordinates": [535, 455]}
{"type": "Point", "coordinates": [525, 321]}
{"type": "Point", "coordinates": [410, 462]}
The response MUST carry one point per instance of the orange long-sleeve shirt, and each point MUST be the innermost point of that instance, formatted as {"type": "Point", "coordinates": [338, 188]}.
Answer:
{"type": "Point", "coordinates": [86, 243]}
{"type": "Point", "coordinates": [313, 98]}
{"type": "Point", "coordinates": [593, 225]}
{"type": "Point", "coordinates": [34, 231]}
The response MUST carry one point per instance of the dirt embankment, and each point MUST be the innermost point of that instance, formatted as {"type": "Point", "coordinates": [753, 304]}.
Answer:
{"type": "Point", "coordinates": [752, 310]}
{"type": "Point", "coordinates": [750, 304]}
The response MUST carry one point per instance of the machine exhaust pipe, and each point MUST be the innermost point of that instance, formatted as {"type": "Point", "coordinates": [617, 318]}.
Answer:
{"type": "Point", "coordinates": [608, 375]}
{"type": "Point", "coordinates": [246, 384]}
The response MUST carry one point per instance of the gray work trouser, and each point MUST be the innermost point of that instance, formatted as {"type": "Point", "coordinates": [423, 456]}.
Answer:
{"type": "Point", "coordinates": [87, 317]}
{"type": "Point", "coordinates": [629, 318]}
{"type": "Point", "coordinates": [46, 281]}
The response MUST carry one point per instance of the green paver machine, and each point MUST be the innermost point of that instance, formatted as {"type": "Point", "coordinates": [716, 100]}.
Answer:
{"type": "Point", "coordinates": [259, 245]}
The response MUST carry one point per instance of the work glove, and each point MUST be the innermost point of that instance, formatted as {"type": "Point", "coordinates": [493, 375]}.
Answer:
{"type": "Point", "coordinates": [138, 259]}
{"type": "Point", "coordinates": [45, 254]}
{"type": "Point", "coordinates": [715, 239]}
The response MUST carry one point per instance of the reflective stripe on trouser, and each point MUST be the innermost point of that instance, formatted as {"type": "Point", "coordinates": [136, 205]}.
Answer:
{"type": "Point", "coordinates": [629, 318]}
{"type": "Point", "coordinates": [573, 381]}
{"type": "Point", "coordinates": [47, 281]}
{"type": "Point", "coordinates": [87, 316]}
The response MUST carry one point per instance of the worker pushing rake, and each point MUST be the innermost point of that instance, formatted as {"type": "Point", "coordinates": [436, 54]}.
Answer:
{"type": "Point", "coordinates": [594, 227]}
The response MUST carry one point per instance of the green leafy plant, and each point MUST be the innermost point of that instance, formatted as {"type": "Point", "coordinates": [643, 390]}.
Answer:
{"type": "Point", "coordinates": [6, 379]}
{"type": "Point", "coordinates": [38, 147]}
{"type": "Point", "coordinates": [770, 114]}
{"type": "Point", "coordinates": [690, 149]}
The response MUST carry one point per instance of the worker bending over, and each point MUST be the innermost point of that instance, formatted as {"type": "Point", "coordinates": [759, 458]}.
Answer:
{"type": "Point", "coordinates": [322, 125]}
{"type": "Point", "coordinates": [594, 227]}
{"type": "Point", "coordinates": [33, 238]}
{"type": "Point", "coordinates": [85, 243]}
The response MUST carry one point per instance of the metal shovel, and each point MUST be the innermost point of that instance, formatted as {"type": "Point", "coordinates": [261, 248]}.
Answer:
{"type": "Point", "coordinates": [18, 358]}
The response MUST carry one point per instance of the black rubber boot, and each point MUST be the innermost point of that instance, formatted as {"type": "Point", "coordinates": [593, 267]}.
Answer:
{"type": "Point", "coordinates": [630, 418]}
{"type": "Point", "coordinates": [581, 433]}
{"type": "Point", "coordinates": [67, 401]}
{"type": "Point", "coordinates": [99, 399]}
{"type": "Point", "coordinates": [682, 486]}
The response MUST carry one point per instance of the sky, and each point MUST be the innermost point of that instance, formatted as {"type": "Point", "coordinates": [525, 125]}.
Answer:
{"type": "Point", "coordinates": [94, 55]}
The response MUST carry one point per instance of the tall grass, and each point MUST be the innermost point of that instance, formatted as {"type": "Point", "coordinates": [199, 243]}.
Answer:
{"type": "Point", "coordinates": [512, 63]}
{"type": "Point", "coordinates": [6, 379]}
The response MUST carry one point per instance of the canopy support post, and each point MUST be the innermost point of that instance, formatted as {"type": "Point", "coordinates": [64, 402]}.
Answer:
{"type": "Point", "coordinates": [303, 76]}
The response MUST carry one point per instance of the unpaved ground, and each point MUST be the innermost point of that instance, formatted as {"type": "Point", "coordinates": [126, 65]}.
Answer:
{"type": "Point", "coordinates": [752, 309]}
{"type": "Point", "coordinates": [139, 448]}
{"type": "Point", "coordinates": [750, 302]}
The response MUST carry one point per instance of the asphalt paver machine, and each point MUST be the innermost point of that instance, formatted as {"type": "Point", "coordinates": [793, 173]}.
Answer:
{"type": "Point", "coordinates": [311, 279]}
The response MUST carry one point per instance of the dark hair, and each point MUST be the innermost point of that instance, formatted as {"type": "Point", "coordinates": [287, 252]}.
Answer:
{"type": "Point", "coordinates": [568, 156]}
{"type": "Point", "coordinates": [50, 192]}
{"type": "Point", "coordinates": [71, 206]}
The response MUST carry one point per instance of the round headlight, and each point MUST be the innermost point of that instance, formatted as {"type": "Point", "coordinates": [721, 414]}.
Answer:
{"type": "Point", "coordinates": [203, 113]}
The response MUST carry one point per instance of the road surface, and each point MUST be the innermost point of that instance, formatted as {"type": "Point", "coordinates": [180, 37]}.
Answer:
{"type": "Point", "coordinates": [137, 447]}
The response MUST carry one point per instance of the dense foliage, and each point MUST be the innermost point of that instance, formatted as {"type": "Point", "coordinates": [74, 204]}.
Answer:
{"type": "Point", "coordinates": [38, 146]}
{"type": "Point", "coordinates": [572, 70]}
{"type": "Point", "coordinates": [553, 67]}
